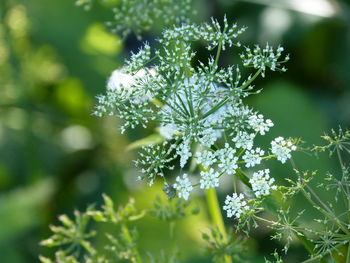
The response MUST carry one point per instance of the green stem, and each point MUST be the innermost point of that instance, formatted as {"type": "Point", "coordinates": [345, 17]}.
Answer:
{"type": "Point", "coordinates": [328, 214]}
{"type": "Point", "coordinates": [348, 255]}
{"type": "Point", "coordinates": [251, 79]}
{"type": "Point", "coordinates": [320, 257]}
{"type": "Point", "coordinates": [215, 213]}
{"type": "Point", "coordinates": [218, 54]}
{"type": "Point", "coordinates": [313, 259]}
{"type": "Point", "coordinates": [347, 190]}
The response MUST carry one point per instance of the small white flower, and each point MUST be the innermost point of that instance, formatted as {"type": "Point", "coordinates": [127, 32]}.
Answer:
{"type": "Point", "coordinates": [259, 125]}
{"type": "Point", "coordinates": [209, 179]}
{"type": "Point", "coordinates": [244, 140]}
{"type": "Point", "coordinates": [168, 130]}
{"type": "Point", "coordinates": [206, 158]}
{"type": "Point", "coordinates": [262, 58]}
{"type": "Point", "coordinates": [262, 183]}
{"type": "Point", "coordinates": [183, 186]}
{"type": "Point", "coordinates": [253, 157]}
{"type": "Point", "coordinates": [282, 149]}
{"type": "Point", "coordinates": [228, 160]}
{"type": "Point", "coordinates": [235, 205]}
{"type": "Point", "coordinates": [184, 151]}
{"type": "Point", "coordinates": [124, 83]}
{"type": "Point", "coordinates": [209, 137]}
{"type": "Point", "coordinates": [120, 80]}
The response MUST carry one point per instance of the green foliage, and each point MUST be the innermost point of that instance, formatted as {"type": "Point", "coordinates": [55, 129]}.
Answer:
{"type": "Point", "coordinates": [337, 141]}
{"type": "Point", "coordinates": [277, 258]}
{"type": "Point", "coordinates": [140, 16]}
{"type": "Point", "coordinates": [172, 210]}
{"type": "Point", "coordinates": [218, 247]}
{"type": "Point", "coordinates": [21, 209]}
{"type": "Point", "coordinates": [166, 258]}
{"type": "Point", "coordinates": [149, 140]}
{"type": "Point", "coordinates": [72, 239]}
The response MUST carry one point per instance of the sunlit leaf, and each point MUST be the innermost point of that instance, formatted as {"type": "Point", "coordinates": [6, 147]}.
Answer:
{"type": "Point", "coordinates": [152, 139]}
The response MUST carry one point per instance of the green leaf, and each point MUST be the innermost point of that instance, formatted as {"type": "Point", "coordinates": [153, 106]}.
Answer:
{"type": "Point", "coordinates": [151, 139]}
{"type": "Point", "coordinates": [21, 208]}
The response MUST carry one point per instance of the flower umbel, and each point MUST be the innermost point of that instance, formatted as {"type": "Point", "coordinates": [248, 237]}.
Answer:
{"type": "Point", "coordinates": [183, 186]}
{"type": "Point", "coordinates": [262, 183]}
{"type": "Point", "coordinates": [253, 157]}
{"type": "Point", "coordinates": [282, 149]}
{"type": "Point", "coordinates": [206, 158]}
{"type": "Point", "coordinates": [235, 205]}
{"type": "Point", "coordinates": [228, 159]}
{"type": "Point", "coordinates": [209, 179]}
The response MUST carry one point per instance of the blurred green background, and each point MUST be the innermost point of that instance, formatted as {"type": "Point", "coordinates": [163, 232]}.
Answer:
{"type": "Point", "coordinates": [56, 157]}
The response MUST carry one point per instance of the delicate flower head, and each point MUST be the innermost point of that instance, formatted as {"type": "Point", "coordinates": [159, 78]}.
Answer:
{"type": "Point", "coordinates": [206, 158]}
{"type": "Point", "coordinates": [184, 151]}
{"type": "Point", "coordinates": [282, 149]}
{"type": "Point", "coordinates": [253, 157]}
{"type": "Point", "coordinates": [209, 179]}
{"type": "Point", "coordinates": [183, 186]}
{"type": "Point", "coordinates": [244, 140]}
{"type": "Point", "coordinates": [262, 183]}
{"type": "Point", "coordinates": [259, 125]}
{"type": "Point", "coordinates": [168, 130]}
{"type": "Point", "coordinates": [262, 58]}
{"type": "Point", "coordinates": [227, 159]}
{"type": "Point", "coordinates": [208, 137]}
{"type": "Point", "coordinates": [235, 205]}
{"type": "Point", "coordinates": [119, 79]}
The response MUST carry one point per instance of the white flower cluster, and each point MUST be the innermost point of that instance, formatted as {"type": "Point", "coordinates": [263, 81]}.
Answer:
{"type": "Point", "coordinates": [260, 125]}
{"type": "Point", "coordinates": [244, 140]}
{"type": "Point", "coordinates": [253, 157]}
{"type": "Point", "coordinates": [122, 84]}
{"type": "Point", "coordinates": [183, 186]}
{"type": "Point", "coordinates": [209, 179]}
{"type": "Point", "coordinates": [262, 183]}
{"type": "Point", "coordinates": [235, 205]}
{"type": "Point", "coordinates": [184, 151]}
{"type": "Point", "coordinates": [206, 158]}
{"type": "Point", "coordinates": [198, 107]}
{"type": "Point", "coordinates": [228, 160]}
{"type": "Point", "coordinates": [262, 58]}
{"type": "Point", "coordinates": [282, 149]}
{"type": "Point", "coordinates": [168, 131]}
{"type": "Point", "coordinates": [129, 97]}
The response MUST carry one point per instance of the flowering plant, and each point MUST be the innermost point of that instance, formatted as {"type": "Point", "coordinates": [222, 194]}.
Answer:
{"type": "Point", "coordinates": [200, 110]}
{"type": "Point", "coordinates": [206, 134]}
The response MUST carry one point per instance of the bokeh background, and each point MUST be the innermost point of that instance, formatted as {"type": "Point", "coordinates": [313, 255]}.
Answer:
{"type": "Point", "coordinates": [56, 157]}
